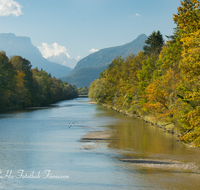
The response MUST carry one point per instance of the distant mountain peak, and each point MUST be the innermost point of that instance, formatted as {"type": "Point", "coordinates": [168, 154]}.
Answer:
{"type": "Point", "coordinates": [12, 36]}
{"type": "Point", "coordinates": [88, 68]}
{"type": "Point", "coordinates": [105, 56]}
{"type": "Point", "coordinates": [63, 59]}
{"type": "Point", "coordinates": [22, 46]}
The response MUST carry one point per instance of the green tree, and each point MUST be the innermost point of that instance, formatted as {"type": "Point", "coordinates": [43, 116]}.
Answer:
{"type": "Point", "coordinates": [21, 64]}
{"type": "Point", "coordinates": [154, 43]}
{"type": "Point", "coordinates": [97, 90]}
{"type": "Point", "coordinates": [7, 84]}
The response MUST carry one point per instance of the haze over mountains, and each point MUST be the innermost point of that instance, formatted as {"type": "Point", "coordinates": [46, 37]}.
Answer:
{"type": "Point", "coordinates": [88, 68]}
{"type": "Point", "coordinates": [84, 72]}
{"type": "Point", "coordinates": [63, 60]}
{"type": "Point", "coordinates": [22, 46]}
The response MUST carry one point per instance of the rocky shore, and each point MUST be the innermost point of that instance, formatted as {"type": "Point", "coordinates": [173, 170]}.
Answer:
{"type": "Point", "coordinates": [164, 164]}
{"type": "Point", "coordinates": [104, 137]}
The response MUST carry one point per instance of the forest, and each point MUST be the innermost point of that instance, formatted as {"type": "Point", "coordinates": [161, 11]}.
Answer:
{"type": "Point", "coordinates": [21, 86]}
{"type": "Point", "coordinates": [163, 80]}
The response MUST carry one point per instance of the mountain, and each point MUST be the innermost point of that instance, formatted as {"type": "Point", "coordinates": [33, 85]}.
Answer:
{"type": "Point", "coordinates": [105, 56]}
{"type": "Point", "coordinates": [88, 68]}
{"type": "Point", "coordinates": [18, 45]}
{"type": "Point", "coordinates": [63, 60]}
{"type": "Point", "coordinates": [81, 79]}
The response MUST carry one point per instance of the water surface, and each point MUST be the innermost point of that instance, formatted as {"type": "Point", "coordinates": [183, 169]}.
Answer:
{"type": "Point", "coordinates": [39, 142]}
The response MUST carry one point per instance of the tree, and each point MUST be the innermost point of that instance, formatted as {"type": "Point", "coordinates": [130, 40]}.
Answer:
{"type": "Point", "coordinates": [145, 75]}
{"type": "Point", "coordinates": [161, 97]}
{"type": "Point", "coordinates": [21, 64]}
{"type": "Point", "coordinates": [154, 43]}
{"type": "Point", "coordinates": [188, 31]}
{"type": "Point", "coordinates": [20, 89]}
{"type": "Point", "coordinates": [97, 90]}
{"type": "Point", "coordinates": [7, 83]}
{"type": "Point", "coordinates": [187, 18]}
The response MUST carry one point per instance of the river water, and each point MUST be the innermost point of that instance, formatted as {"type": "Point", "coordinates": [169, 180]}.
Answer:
{"type": "Point", "coordinates": [41, 149]}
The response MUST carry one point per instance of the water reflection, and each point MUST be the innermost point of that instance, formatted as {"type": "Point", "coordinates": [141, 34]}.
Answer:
{"type": "Point", "coordinates": [47, 139]}
{"type": "Point", "coordinates": [137, 138]}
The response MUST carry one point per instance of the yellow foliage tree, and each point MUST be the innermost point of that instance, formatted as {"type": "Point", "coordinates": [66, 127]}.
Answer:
{"type": "Point", "coordinates": [161, 96]}
{"type": "Point", "coordinates": [188, 24]}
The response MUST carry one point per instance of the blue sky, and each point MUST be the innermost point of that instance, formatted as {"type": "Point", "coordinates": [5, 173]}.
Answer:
{"type": "Point", "coordinates": [79, 27]}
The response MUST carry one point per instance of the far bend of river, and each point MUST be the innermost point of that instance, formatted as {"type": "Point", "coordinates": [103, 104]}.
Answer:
{"type": "Point", "coordinates": [38, 144]}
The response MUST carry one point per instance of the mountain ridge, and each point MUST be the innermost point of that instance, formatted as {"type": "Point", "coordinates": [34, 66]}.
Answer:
{"type": "Point", "coordinates": [106, 55]}
{"type": "Point", "coordinates": [88, 68]}
{"type": "Point", "coordinates": [79, 79]}
{"type": "Point", "coordinates": [22, 46]}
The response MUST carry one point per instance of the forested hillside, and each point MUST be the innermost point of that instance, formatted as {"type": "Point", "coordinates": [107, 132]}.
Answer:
{"type": "Point", "coordinates": [21, 86]}
{"type": "Point", "coordinates": [84, 76]}
{"type": "Point", "coordinates": [163, 80]}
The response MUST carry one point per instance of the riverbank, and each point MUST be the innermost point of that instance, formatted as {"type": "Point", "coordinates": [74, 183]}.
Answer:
{"type": "Point", "coordinates": [104, 137]}
{"type": "Point", "coordinates": [167, 127]}
{"type": "Point", "coordinates": [96, 140]}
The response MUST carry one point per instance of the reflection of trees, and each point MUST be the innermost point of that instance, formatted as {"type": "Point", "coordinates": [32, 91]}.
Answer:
{"type": "Point", "coordinates": [137, 137]}
{"type": "Point", "coordinates": [142, 140]}
{"type": "Point", "coordinates": [101, 111]}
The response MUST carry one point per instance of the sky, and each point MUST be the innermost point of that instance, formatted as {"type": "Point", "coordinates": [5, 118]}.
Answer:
{"type": "Point", "coordinates": [81, 27]}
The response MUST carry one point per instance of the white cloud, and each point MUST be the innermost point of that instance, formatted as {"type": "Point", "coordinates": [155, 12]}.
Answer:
{"type": "Point", "coordinates": [93, 50]}
{"type": "Point", "coordinates": [78, 58]}
{"type": "Point", "coordinates": [54, 49]}
{"type": "Point", "coordinates": [132, 16]}
{"type": "Point", "coordinates": [10, 7]}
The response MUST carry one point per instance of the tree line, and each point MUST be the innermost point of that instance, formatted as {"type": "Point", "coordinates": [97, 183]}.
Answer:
{"type": "Point", "coordinates": [163, 80]}
{"type": "Point", "coordinates": [21, 86]}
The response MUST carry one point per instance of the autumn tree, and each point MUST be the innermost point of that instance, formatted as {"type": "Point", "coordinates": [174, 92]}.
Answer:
{"type": "Point", "coordinates": [164, 80]}
{"type": "Point", "coordinates": [7, 73]}
{"type": "Point", "coordinates": [23, 65]}
{"type": "Point", "coordinates": [188, 31]}
{"type": "Point", "coordinates": [21, 87]}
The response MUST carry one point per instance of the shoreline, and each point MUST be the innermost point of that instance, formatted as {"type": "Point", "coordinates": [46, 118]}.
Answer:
{"type": "Point", "coordinates": [91, 102]}
{"type": "Point", "coordinates": [100, 138]}
{"type": "Point", "coordinates": [166, 127]}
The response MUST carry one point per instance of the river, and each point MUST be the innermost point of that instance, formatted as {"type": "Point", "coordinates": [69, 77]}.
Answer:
{"type": "Point", "coordinates": [41, 149]}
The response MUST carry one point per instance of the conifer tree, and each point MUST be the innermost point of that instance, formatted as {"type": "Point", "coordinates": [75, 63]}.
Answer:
{"type": "Point", "coordinates": [154, 43]}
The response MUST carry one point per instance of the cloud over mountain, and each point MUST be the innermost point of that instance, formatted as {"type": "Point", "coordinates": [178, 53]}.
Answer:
{"type": "Point", "coordinates": [93, 50]}
{"type": "Point", "coordinates": [54, 49]}
{"type": "Point", "coordinates": [10, 7]}
{"type": "Point", "coordinates": [78, 58]}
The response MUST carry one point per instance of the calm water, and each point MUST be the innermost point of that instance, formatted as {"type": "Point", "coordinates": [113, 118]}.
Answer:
{"type": "Point", "coordinates": [36, 145]}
